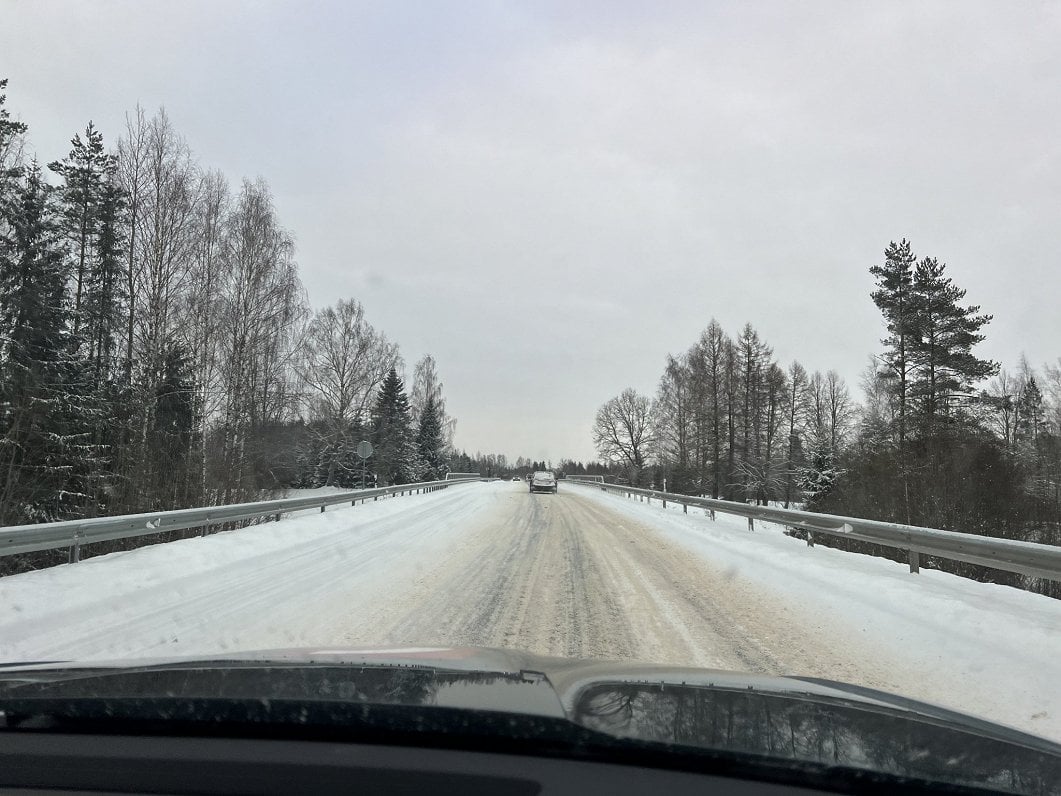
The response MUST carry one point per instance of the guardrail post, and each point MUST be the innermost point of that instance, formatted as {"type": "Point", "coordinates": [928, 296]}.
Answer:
{"type": "Point", "coordinates": [685, 508]}
{"type": "Point", "coordinates": [323, 508]}
{"type": "Point", "coordinates": [915, 561]}
{"type": "Point", "coordinates": [712, 513]}
{"type": "Point", "coordinates": [664, 502]}
{"type": "Point", "coordinates": [810, 538]}
{"type": "Point", "coordinates": [278, 513]}
{"type": "Point", "coordinates": [75, 549]}
{"type": "Point", "coordinates": [751, 524]}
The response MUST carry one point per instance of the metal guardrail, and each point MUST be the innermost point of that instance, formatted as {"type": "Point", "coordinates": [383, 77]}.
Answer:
{"type": "Point", "coordinates": [75, 533]}
{"type": "Point", "coordinates": [1025, 558]}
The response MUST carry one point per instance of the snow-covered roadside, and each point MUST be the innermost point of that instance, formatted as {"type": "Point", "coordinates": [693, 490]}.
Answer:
{"type": "Point", "coordinates": [278, 584]}
{"type": "Point", "coordinates": [984, 649]}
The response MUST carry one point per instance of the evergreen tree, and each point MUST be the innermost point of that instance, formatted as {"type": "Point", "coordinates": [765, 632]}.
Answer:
{"type": "Point", "coordinates": [394, 457]}
{"type": "Point", "coordinates": [893, 297]}
{"type": "Point", "coordinates": [85, 172]}
{"type": "Point", "coordinates": [172, 437]}
{"type": "Point", "coordinates": [43, 448]}
{"type": "Point", "coordinates": [821, 470]}
{"type": "Point", "coordinates": [430, 444]}
{"type": "Point", "coordinates": [1031, 415]}
{"type": "Point", "coordinates": [103, 306]}
{"type": "Point", "coordinates": [941, 349]}
{"type": "Point", "coordinates": [10, 144]}
{"type": "Point", "coordinates": [1036, 449]}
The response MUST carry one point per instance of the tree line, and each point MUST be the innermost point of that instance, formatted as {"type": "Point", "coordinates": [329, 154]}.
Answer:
{"type": "Point", "coordinates": [941, 437]}
{"type": "Point", "coordinates": [157, 349]}
{"type": "Point", "coordinates": [729, 422]}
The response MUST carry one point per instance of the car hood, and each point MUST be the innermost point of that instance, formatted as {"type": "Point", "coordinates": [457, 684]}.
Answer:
{"type": "Point", "coordinates": [807, 721]}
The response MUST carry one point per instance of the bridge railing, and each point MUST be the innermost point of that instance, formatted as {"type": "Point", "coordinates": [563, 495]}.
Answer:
{"type": "Point", "coordinates": [76, 533]}
{"type": "Point", "coordinates": [1025, 558]}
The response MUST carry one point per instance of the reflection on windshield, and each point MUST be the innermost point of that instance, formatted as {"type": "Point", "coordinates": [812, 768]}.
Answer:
{"type": "Point", "coordinates": [374, 685]}
{"type": "Point", "coordinates": [811, 731]}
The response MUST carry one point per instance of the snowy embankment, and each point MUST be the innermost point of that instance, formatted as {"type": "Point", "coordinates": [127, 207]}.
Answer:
{"type": "Point", "coordinates": [982, 648]}
{"type": "Point", "coordinates": [281, 584]}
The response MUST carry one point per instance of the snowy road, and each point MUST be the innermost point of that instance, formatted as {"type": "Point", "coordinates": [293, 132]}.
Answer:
{"type": "Point", "coordinates": [580, 574]}
{"type": "Point", "coordinates": [564, 575]}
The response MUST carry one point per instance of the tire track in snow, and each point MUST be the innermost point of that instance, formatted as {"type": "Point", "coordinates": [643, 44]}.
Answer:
{"type": "Point", "coordinates": [563, 575]}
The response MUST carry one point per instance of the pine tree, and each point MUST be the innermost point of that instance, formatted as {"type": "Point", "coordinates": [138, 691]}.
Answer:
{"type": "Point", "coordinates": [941, 349]}
{"type": "Point", "coordinates": [85, 172]}
{"type": "Point", "coordinates": [430, 444]}
{"type": "Point", "coordinates": [893, 297]}
{"type": "Point", "coordinates": [394, 457]}
{"type": "Point", "coordinates": [105, 295]}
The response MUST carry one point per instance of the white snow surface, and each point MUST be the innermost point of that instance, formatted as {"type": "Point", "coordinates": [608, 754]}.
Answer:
{"type": "Point", "coordinates": [279, 584]}
{"type": "Point", "coordinates": [439, 568]}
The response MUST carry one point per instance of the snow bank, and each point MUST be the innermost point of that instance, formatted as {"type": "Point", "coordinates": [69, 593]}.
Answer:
{"type": "Point", "coordinates": [278, 584]}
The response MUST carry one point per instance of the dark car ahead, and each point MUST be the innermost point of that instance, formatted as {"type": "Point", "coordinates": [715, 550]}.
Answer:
{"type": "Point", "coordinates": [543, 481]}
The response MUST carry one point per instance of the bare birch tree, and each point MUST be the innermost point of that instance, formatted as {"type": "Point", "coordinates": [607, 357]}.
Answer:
{"type": "Point", "coordinates": [261, 304]}
{"type": "Point", "coordinates": [344, 362]}
{"type": "Point", "coordinates": [427, 385]}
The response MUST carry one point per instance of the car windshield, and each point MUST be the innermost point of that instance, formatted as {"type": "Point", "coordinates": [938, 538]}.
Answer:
{"type": "Point", "coordinates": [795, 384]}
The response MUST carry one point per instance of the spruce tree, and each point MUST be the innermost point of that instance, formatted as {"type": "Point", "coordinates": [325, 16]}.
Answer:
{"type": "Point", "coordinates": [1034, 444]}
{"type": "Point", "coordinates": [44, 448]}
{"type": "Point", "coordinates": [1031, 415]}
{"type": "Point", "coordinates": [394, 457]}
{"type": "Point", "coordinates": [173, 436]}
{"type": "Point", "coordinates": [430, 444]}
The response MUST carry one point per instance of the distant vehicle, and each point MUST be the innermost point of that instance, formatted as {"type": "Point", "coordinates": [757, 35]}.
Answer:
{"type": "Point", "coordinates": [543, 481]}
{"type": "Point", "coordinates": [515, 478]}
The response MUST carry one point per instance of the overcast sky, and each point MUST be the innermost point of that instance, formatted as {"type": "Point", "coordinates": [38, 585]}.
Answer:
{"type": "Point", "coordinates": [550, 197]}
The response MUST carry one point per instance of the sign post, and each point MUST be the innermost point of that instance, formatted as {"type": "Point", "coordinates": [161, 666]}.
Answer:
{"type": "Point", "coordinates": [364, 450]}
